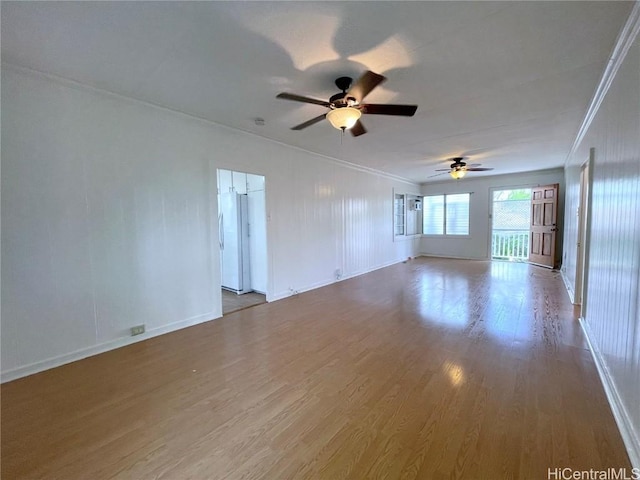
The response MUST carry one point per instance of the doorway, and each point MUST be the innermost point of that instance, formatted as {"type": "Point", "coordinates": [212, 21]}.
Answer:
{"type": "Point", "coordinates": [510, 221]}
{"type": "Point", "coordinates": [583, 207]}
{"type": "Point", "coordinates": [242, 239]}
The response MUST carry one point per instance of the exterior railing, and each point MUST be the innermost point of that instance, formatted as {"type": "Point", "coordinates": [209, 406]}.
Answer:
{"type": "Point", "coordinates": [510, 244]}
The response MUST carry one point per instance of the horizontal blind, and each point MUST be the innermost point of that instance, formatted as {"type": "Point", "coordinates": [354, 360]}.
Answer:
{"type": "Point", "coordinates": [433, 215]}
{"type": "Point", "coordinates": [457, 214]}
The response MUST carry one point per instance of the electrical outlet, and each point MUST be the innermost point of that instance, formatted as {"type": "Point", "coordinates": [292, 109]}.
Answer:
{"type": "Point", "coordinates": [137, 330]}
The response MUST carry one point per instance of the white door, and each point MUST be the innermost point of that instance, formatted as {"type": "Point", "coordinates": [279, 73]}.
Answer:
{"type": "Point", "coordinates": [258, 240]}
{"type": "Point", "coordinates": [229, 245]}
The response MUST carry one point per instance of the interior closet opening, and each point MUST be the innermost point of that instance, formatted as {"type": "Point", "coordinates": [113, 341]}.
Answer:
{"type": "Point", "coordinates": [242, 235]}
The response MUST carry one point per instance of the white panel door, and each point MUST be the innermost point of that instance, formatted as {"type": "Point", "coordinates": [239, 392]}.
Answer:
{"type": "Point", "coordinates": [229, 245]}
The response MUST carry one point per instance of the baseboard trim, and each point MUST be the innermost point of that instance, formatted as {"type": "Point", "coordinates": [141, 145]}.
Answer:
{"type": "Point", "coordinates": [60, 360]}
{"type": "Point", "coordinates": [433, 255]}
{"type": "Point", "coordinates": [629, 435]}
{"type": "Point", "coordinates": [307, 288]}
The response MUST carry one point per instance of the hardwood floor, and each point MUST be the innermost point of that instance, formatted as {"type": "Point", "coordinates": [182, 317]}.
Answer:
{"type": "Point", "coordinates": [232, 302]}
{"type": "Point", "coordinates": [432, 369]}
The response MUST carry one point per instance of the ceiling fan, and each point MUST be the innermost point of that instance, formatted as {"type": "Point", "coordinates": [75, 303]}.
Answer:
{"type": "Point", "coordinates": [459, 168]}
{"type": "Point", "coordinates": [346, 107]}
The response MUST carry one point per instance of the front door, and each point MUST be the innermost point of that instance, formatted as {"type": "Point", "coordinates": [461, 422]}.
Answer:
{"type": "Point", "coordinates": [544, 213]}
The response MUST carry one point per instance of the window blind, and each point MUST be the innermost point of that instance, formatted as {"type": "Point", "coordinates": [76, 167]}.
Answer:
{"type": "Point", "coordinates": [446, 214]}
{"type": "Point", "coordinates": [433, 215]}
{"type": "Point", "coordinates": [457, 214]}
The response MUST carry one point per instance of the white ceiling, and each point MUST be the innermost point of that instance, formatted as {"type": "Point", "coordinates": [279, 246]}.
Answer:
{"type": "Point", "coordinates": [507, 83]}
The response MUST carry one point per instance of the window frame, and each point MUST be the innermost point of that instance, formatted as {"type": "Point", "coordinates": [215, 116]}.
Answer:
{"type": "Point", "coordinates": [408, 206]}
{"type": "Point", "coordinates": [444, 216]}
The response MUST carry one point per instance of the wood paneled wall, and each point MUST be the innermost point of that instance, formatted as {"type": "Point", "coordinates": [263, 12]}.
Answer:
{"type": "Point", "coordinates": [110, 219]}
{"type": "Point", "coordinates": [612, 310]}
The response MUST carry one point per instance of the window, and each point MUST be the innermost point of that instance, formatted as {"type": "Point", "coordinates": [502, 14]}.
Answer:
{"type": "Point", "coordinates": [433, 215]}
{"type": "Point", "coordinates": [407, 215]}
{"type": "Point", "coordinates": [398, 215]}
{"type": "Point", "coordinates": [446, 214]}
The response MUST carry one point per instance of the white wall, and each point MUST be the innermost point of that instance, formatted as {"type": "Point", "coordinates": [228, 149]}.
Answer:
{"type": "Point", "coordinates": [612, 310]}
{"type": "Point", "coordinates": [110, 219]}
{"type": "Point", "coordinates": [476, 244]}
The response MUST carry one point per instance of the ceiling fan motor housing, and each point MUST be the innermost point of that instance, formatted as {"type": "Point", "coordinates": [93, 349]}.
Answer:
{"type": "Point", "coordinates": [340, 100]}
{"type": "Point", "coordinates": [337, 99]}
{"type": "Point", "coordinates": [458, 163]}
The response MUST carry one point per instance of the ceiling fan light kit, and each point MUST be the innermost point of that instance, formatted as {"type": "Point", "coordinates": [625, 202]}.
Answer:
{"type": "Point", "coordinates": [458, 173]}
{"type": "Point", "coordinates": [344, 118]}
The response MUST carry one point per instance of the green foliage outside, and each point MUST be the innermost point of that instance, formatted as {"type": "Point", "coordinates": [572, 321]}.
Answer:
{"type": "Point", "coordinates": [505, 195]}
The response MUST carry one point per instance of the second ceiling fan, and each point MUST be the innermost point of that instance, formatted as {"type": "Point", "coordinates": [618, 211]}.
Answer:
{"type": "Point", "coordinates": [459, 168]}
{"type": "Point", "coordinates": [346, 107]}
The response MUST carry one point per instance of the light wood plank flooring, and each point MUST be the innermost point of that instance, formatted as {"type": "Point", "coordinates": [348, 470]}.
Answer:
{"type": "Point", "coordinates": [232, 302]}
{"type": "Point", "coordinates": [431, 369]}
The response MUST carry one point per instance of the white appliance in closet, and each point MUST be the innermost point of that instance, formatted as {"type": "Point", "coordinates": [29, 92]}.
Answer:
{"type": "Point", "coordinates": [233, 222]}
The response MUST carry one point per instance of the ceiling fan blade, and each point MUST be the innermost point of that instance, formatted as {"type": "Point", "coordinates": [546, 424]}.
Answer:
{"type": "Point", "coordinates": [443, 169]}
{"type": "Point", "coordinates": [300, 98]}
{"type": "Point", "coordinates": [475, 169]}
{"type": "Point", "coordinates": [358, 129]}
{"type": "Point", "coordinates": [308, 123]}
{"type": "Point", "coordinates": [436, 175]}
{"type": "Point", "coordinates": [387, 109]}
{"type": "Point", "coordinates": [363, 86]}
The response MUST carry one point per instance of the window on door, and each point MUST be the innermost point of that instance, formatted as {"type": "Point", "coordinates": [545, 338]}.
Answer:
{"type": "Point", "coordinates": [446, 214]}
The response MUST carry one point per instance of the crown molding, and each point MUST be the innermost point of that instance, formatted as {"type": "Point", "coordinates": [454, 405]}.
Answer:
{"type": "Point", "coordinates": [625, 40]}
{"type": "Point", "coordinates": [101, 91]}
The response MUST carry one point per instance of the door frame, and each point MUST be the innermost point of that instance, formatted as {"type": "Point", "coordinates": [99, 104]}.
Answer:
{"type": "Point", "coordinates": [499, 188]}
{"type": "Point", "coordinates": [492, 190]}
{"type": "Point", "coordinates": [213, 182]}
{"type": "Point", "coordinates": [584, 233]}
